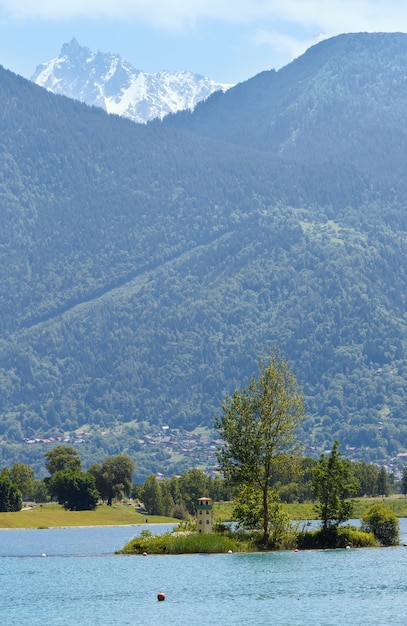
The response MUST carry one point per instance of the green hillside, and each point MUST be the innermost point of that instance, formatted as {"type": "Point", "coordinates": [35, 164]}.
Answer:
{"type": "Point", "coordinates": [145, 270]}
{"type": "Point", "coordinates": [343, 102]}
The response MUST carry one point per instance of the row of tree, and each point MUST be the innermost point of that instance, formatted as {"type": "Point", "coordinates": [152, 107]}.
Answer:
{"type": "Point", "coordinates": [176, 496]}
{"type": "Point", "coordinates": [67, 483]}
{"type": "Point", "coordinates": [76, 489]}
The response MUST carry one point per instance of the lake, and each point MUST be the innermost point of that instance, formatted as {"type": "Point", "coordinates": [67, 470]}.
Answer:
{"type": "Point", "coordinates": [81, 580]}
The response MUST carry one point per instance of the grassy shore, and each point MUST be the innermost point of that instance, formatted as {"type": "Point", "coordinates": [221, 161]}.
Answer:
{"type": "Point", "coordinates": [55, 516]}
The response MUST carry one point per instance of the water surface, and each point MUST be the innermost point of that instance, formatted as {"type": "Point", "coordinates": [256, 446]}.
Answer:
{"type": "Point", "coordinates": [70, 584]}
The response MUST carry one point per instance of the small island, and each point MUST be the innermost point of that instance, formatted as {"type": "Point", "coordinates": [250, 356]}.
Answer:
{"type": "Point", "coordinates": [379, 527]}
{"type": "Point", "coordinates": [259, 429]}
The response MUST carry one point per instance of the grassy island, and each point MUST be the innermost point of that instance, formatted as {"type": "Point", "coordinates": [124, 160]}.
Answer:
{"type": "Point", "coordinates": [224, 540]}
{"type": "Point", "coordinates": [181, 542]}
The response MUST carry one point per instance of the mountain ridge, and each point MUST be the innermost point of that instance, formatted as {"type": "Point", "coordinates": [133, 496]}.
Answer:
{"type": "Point", "coordinates": [108, 81]}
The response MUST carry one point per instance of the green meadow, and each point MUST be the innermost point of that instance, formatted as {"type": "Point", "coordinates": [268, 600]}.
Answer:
{"type": "Point", "coordinates": [54, 515]}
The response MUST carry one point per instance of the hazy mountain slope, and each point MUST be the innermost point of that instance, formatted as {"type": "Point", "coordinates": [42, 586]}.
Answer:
{"type": "Point", "coordinates": [94, 198]}
{"type": "Point", "coordinates": [108, 81]}
{"type": "Point", "coordinates": [344, 100]}
{"type": "Point", "coordinates": [146, 269]}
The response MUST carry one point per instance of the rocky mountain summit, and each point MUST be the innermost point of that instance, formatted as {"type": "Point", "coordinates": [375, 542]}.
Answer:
{"type": "Point", "coordinates": [106, 80]}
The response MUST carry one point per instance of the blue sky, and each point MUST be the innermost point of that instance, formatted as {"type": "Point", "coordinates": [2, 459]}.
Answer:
{"type": "Point", "coordinates": [226, 40]}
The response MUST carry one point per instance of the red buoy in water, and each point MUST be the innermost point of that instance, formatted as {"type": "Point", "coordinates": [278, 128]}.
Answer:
{"type": "Point", "coordinates": [160, 596]}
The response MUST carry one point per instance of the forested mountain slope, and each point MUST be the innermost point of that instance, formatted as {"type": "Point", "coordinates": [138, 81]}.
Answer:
{"type": "Point", "coordinates": [344, 100]}
{"type": "Point", "coordinates": [145, 270]}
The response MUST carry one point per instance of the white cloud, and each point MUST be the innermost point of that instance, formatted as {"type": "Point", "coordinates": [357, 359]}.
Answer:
{"type": "Point", "coordinates": [339, 16]}
{"type": "Point", "coordinates": [332, 15]}
{"type": "Point", "coordinates": [164, 13]}
{"type": "Point", "coordinates": [285, 45]}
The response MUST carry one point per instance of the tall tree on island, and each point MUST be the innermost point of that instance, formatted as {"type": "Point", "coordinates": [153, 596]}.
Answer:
{"type": "Point", "coordinates": [258, 426]}
{"type": "Point", "coordinates": [333, 482]}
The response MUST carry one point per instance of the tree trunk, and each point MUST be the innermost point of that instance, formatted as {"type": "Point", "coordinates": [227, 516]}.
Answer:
{"type": "Point", "coordinates": [266, 531]}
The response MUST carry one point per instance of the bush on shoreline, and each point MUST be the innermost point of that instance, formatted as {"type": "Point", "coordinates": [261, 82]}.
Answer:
{"type": "Point", "coordinates": [338, 537]}
{"type": "Point", "coordinates": [383, 523]}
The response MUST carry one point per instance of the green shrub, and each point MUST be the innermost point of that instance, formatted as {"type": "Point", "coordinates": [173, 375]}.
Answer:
{"type": "Point", "coordinates": [220, 528]}
{"type": "Point", "coordinates": [354, 538]}
{"type": "Point", "coordinates": [383, 523]}
{"type": "Point", "coordinates": [338, 537]}
{"type": "Point", "coordinates": [185, 526]}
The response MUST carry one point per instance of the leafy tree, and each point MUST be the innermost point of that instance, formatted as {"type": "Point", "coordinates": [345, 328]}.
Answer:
{"type": "Point", "coordinates": [176, 490]}
{"type": "Point", "coordinates": [152, 496]}
{"type": "Point", "coordinates": [367, 476]}
{"type": "Point", "coordinates": [383, 523]}
{"type": "Point", "coordinates": [404, 481]}
{"type": "Point", "coordinates": [218, 489]}
{"type": "Point", "coordinates": [75, 490]}
{"type": "Point", "coordinates": [383, 484]}
{"type": "Point", "coordinates": [293, 481]}
{"type": "Point", "coordinates": [333, 482]}
{"type": "Point", "coordinates": [22, 476]}
{"type": "Point", "coordinates": [289, 493]}
{"type": "Point", "coordinates": [179, 510]}
{"type": "Point", "coordinates": [193, 485]}
{"type": "Point", "coordinates": [96, 470]}
{"type": "Point", "coordinates": [248, 507]}
{"type": "Point", "coordinates": [62, 458]}
{"type": "Point", "coordinates": [40, 491]}
{"type": "Point", "coordinates": [167, 500]}
{"type": "Point", "coordinates": [248, 513]}
{"type": "Point", "coordinates": [114, 478]}
{"type": "Point", "coordinates": [258, 426]}
{"type": "Point", "coordinates": [10, 496]}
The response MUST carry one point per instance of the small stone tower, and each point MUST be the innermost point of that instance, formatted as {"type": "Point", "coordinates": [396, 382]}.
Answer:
{"type": "Point", "coordinates": [204, 515]}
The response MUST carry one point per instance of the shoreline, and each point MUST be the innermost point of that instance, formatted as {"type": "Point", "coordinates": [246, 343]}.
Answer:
{"type": "Point", "coordinates": [85, 526]}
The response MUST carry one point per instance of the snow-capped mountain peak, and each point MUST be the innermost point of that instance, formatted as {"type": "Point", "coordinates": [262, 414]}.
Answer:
{"type": "Point", "coordinates": [108, 81]}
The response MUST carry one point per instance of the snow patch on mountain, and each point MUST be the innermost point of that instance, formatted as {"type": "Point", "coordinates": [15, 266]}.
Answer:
{"type": "Point", "coordinates": [108, 81]}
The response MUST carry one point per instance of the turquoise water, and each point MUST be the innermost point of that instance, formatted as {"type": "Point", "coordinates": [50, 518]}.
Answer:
{"type": "Point", "coordinates": [94, 586]}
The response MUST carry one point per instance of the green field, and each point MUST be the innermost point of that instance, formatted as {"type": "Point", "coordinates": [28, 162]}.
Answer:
{"type": "Point", "coordinates": [54, 515]}
{"type": "Point", "coordinates": [398, 504]}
